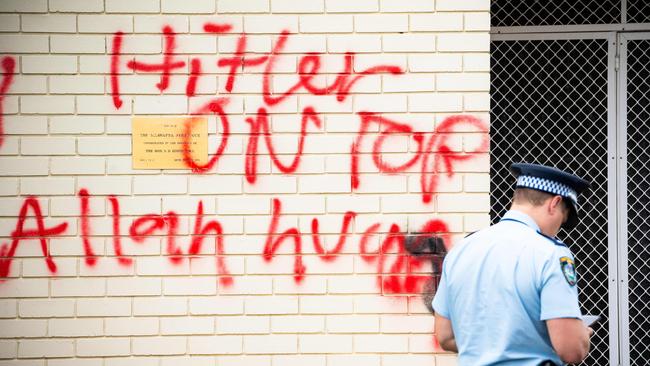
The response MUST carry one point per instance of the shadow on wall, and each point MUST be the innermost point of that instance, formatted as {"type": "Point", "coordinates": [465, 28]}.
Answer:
{"type": "Point", "coordinates": [432, 248]}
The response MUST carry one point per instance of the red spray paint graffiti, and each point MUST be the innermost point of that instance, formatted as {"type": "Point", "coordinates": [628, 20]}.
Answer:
{"type": "Point", "coordinates": [8, 66]}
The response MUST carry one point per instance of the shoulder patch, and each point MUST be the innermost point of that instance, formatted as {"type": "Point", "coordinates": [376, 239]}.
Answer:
{"type": "Point", "coordinates": [568, 270]}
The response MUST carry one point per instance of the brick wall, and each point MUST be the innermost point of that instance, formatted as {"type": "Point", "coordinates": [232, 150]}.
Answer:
{"type": "Point", "coordinates": [337, 129]}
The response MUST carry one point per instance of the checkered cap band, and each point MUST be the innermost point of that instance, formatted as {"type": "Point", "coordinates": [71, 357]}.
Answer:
{"type": "Point", "coordinates": [547, 185]}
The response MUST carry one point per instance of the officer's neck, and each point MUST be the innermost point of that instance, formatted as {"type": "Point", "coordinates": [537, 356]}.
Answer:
{"type": "Point", "coordinates": [540, 215]}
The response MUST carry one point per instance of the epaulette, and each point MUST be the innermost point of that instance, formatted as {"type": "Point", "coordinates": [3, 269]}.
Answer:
{"type": "Point", "coordinates": [553, 240]}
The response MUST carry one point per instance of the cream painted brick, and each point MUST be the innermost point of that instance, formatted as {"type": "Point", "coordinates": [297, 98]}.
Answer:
{"type": "Point", "coordinates": [132, 361]}
{"type": "Point", "coordinates": [270, 24]}
{"type": "Point", "coordinates": [74, 166]}
{"type": "Point", "coordinates": [50, 64]}
{"type": "Point", "coordinates": [29, 84]}
{"type": "Point", "coordinates": [477, 21]}
{"type": "Point", "coordinates": [190, 286]}
{"type": "Point", "coordinates": [359, 204]}
{"type": "Point", "coordinates": [324, 184]}
{"type": "Point", "coordinates": [406, 323]}
{"type": "Point", "coordinates": [270, 344]}
{"type": "Point", "coordinates": [118, 125]}
{"type": "Point", "coordinates": [409, 359]}
{"type": "Point", "coordinates": [373, 304]}
{"type": "Point", "coordinates": [221, 305]}
{"type": "Point", "coordinates": [260, 360]}
{"type": "Point", "coordinates": [237, 6]}
{"type": "Point", "coordinates": [325, 343]}
{"type": "Point", "coordinates": [47, 186]}
{"type": "Point", "coordinates": [158, 266]}
{"type": "Point", "coordinates": [463, 82]}
{"type": "Point", "coordinates": [127, 6]}
{"type": "Point", "coordinates": [381, 23]}
{"type": "Point", "coordinates": [42, 104]}
{"type": "Point", "coordinates": [8, 186]}
{"type": "Point", "coordinates": [124, 165]}
{"type": "Point", "coordinates": [24, 43]}
{"type": "Point", "coordinates": [243, 205]}
{"type": "Point", "coordinates": [196, 44]}
{"type": "Point", "coordinates": [164, 104]}
{"type": "Point", "coordinates": [69, 206]}
{"type": "Point", "coordinates": [435, 62]}
{"type": "Point", "coordinates": [470, 5]}
{"type": "Point", "coordinates": [298, 324]}
{"type": "Point", "coordinates": [385, 103]}
{"type": "Point", "coordinates": [160, 306]}
{"type": "Point", "coordinates": [23, 328]}
{"type": "Point", "coordinates": [410, 6]}
{"type": "Point", "coordinates": [437, 22]}
{"type": "Point", "coordinates": [186, 325]}
{"type": "Point", "coordinates": [187, 205]}
{"type": "Point", "coordinates": [196, 23]}
{"type": "Point", "coordinates": [359, 6]}
{"type": "Point", "coordinates": [109, 306]}
{"type": "Point", "coordinates": [155, 23]}
{"type": "Point", "coordinates": [160, 185]}
{"type": "Point", "coordinates": [8, 308]}
{"type": "Point", "coordinates": [48, 146]}
{"type": "Point", "coordinates": [420, 343]}
{"type": "Point", "coordinates": [36, 267]}
{"type": "Point", "coordinates": [87, 6]}
{"type": "Point", "coordinates": [221, 344]}
{"type": "Point", "coordinates": [243, 325]}
{"type": "Point", "coordinates": [409, 83]}
{"type": "Point", "coordinates": [23, 166]}
{"type": "Point", "coordinates": [476, 62]}
{"type": "Point", "coordinates": [105, 268]}
{"type": "Point", "coordinates": [106, 185]}
{"type": "Point", "coordinates": [23, 6]}
{"type": "Point", "coordinates": [50, 308]}
{"type": "Point", "coordinates": [463, 202]}
{"type": "Point", "coordinates": [303, 6]}
{"type": "Point", "coordinates": [9, 23]}
{"type": "Point", "coordinates": [353, 324]}
{"type": "Point", "coordinates": [464, 42]}
{"type": "Point", "coordinates": [50, 23]}
{"type": "Point", "coordinates": [77, 44]}
{"type": "Point", "coordinates": [159, 346]}
{"type": "Point", "coordinates": [133, 286]}
{"type": "Point", "coordinates": [104, 145]}
{"type": "Point", "coordinates": [326, 23]}
{"type": "Point", "coordinates": [25, 288]}
{"type": "Point", "coordinates": [328, 304]}
{"type": "Point", "coordinates": [194, 7]}
{"type": "Point", "coordinates": [78, 287]}
{"type": "Point", "coordinates": [357, 360]}
{"type": "Point", "coordinates": [8, 349]}
{"type": "Point", "coordinates": [215, 184]}
{"type": "Point", "coordinates": [101, 104]}
{"type": "Point", "coordinates": [477, 183]}
{"type": "Point", "coordinates": [75, 327]}
{"type": "Point", "coordinates": [103, 347]}
{"type": "Point", "coordinates": [271, 305]}
{"type": "Point", "coordinates": [140, 205]}
{"type": "Point", "coordinates": [132, 326]}
{"type": "Point", "coordinates": [435, 102]}
{"type": "Point", "coordinates": [10, 146]}
{"type": "Point", "coordinates": [355, 43]}
{"type": "Point", "coordinates": [147, 48]}
{"type": "Point", "coordinates": [76, 362]}
{"type": "Point", "coordinates": [352, 285]}
{"type": "Point", "coordinates": [45, 348]}
{"type": "Point", "coordinates": [446, 360]}
{"type": "Point", "coordinates": [389, 184]}
{"type": "Point", "coordinates": [475, 222]}
{"type": "Point", "coordinates": [476, 102]}
{"type": "Point", "coordinates": [105, 24]}
{"type": "Point", "coordinates": [381, 343]}
{"type": "Point", "coordinates": [299, 360]}
{"type": "Point", "coordinates": [78, 84]}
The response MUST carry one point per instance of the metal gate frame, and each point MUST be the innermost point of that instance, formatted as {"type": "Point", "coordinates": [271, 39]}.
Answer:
{"type": "Point", "coordinates": [622, 233]}
{"type": "Point", "coordinates": [615, 180]}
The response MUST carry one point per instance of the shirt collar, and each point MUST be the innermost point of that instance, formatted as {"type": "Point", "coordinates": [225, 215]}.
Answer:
{"type": "Point", "coordinates": [520, 216]}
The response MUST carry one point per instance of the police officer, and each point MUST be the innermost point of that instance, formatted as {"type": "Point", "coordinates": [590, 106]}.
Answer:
{"type": "Point", "coordinates": [508, 293]}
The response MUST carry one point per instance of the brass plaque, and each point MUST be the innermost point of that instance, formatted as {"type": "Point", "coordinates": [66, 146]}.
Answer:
{"type": "Point", "coordinates": [158, 141]}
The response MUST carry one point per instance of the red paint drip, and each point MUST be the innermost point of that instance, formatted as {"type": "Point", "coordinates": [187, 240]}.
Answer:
{"type": "Point", "coordinates": [8, 66]}
{"type": "Point", "coordinates": [91, 259]}
{"type": "Point", "coordinates": [116, 52]}
{"type": "Point", "coordinates": [329, 256]}
{"type": "Point", "coordinates": [237, 61]}
{"type": "Point", "coordinates": [198, 235]}
{"type": "Point", "coordinates": [117, 238]}
{"type": "Point", "coordinates": [20, 233]}
{"type": "Point", "coordinates": [195, 72]}
{"type": "Point", "coordinates": [167, 66]}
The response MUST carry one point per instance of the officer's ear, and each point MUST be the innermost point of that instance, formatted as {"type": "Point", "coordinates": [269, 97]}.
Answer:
{"type": "Point", "coordinates": [555, 205]}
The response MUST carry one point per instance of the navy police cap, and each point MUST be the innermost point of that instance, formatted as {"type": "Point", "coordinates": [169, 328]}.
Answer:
{"type": "Point", "coordinates": [554, 181]}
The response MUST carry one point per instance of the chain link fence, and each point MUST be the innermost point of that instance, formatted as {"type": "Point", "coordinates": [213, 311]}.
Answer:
{"type": "Point", "coordinates": [549, 106]}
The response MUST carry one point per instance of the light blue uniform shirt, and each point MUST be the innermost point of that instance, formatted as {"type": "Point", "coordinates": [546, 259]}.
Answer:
{"type": "Point", "coordinates": [499, 285]}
